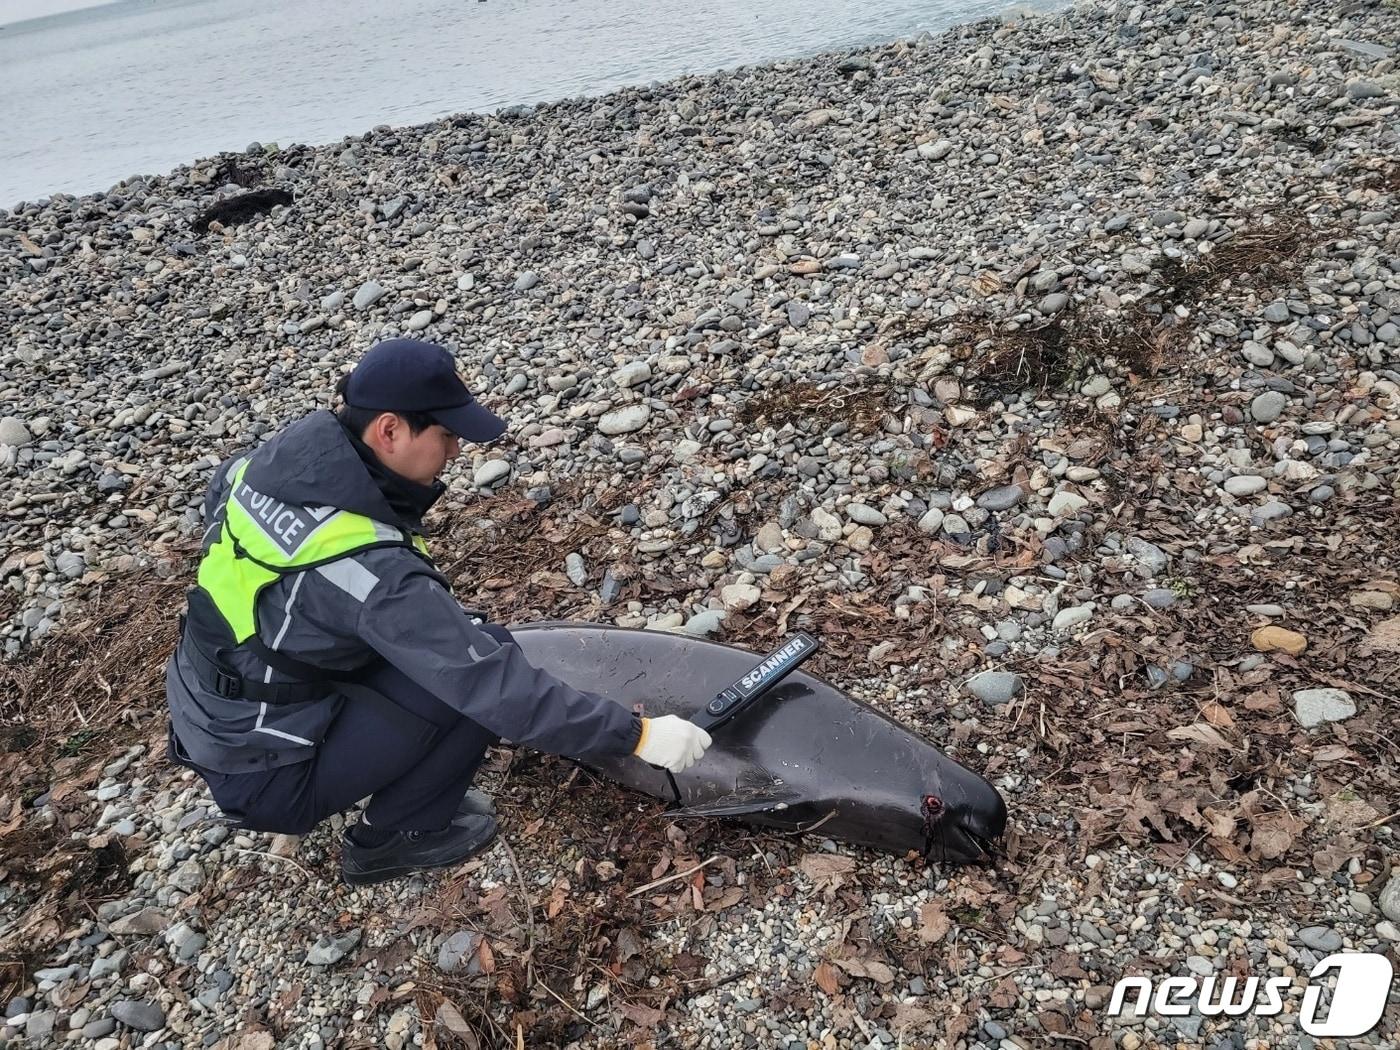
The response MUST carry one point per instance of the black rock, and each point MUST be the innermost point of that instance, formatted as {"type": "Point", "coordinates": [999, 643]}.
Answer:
{"type": "Point", "coordinates": [241, 208]}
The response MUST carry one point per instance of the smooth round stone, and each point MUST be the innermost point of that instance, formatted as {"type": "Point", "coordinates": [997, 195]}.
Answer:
{"type": "Point", "coordinates": [1003, 498]}
{"type": "Point", "coordinates": [935, 150]}
{"type": "Point", "coordinates": [1067, 618]}
{"type": "Point", "coordinates": [99, 1028]}
{"type": "Point", "coordinates": [739, 596]}
{"type": "Point", "coordinates": [1389, 901]}
{"type": "Point", "coordinates": [863, 515]}
{"type": "Point", "coordinates": [490, 472]}
{"type": "Point", "coordinates": [71, 564]}
{"type": "Point", "coordinates": [1064, 504]}
{"type": "Point", "coordinates": [1245, 484]}
{"type": "Point", "coordinates": [624, 420]}
{"type": "Point", "coordinates": [931, 522]}
{"type": "Point", "coordinates": [632, 373]}
{"type": "Point", "coordinates": [367, 295]}
{"type": "Point", "coordinates": [1150, 558]}
{"type": "Point", "coordinates": [1260, 516]}
{"type": "Point", "coordinates": [705, 623]}
{"type": "Point", "coordinates": [1258, 354]}
{"type": "Point", "coordinates": [1268, 406]}
{"type": "Point", "coordinates": [1159, 598]}
{"type": "Point", "coordinates": [575, 569]}
{"type": "Point", "coordinates": [142, 1016]}
{"type": "Point", "coordinates": [1096, 386]}
{"type": "Point", "coordinates": [14, 432]}
{"type": "Point", "coordinates": [995, 687]}
{"type": "Point", "coordinates": [1320, 938]}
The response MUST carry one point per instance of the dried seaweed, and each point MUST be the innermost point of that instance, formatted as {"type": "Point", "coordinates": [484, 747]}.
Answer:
{"type": "Point", "coordinates": [1150, 337]}
{"type": "Point", "coordinates": [861, 408]}
{"type": "Point", "coordinates": [84, 687]}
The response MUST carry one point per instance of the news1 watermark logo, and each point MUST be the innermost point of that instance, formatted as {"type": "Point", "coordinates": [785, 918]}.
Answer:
{"type": "Point", "coordinates": [1358, 999]}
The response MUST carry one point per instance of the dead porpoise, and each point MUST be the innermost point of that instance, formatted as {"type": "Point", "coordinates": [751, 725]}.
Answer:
{"type": "Point", "coordinates": [805, 756]}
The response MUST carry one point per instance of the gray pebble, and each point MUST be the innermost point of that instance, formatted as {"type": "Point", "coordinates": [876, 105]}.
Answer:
{"type": "Point", "coordinates": [1320, 938]}
{"type": "Point", "coordinates": [1159, 598]}
{"type": "Point", "coordinates": [995, 687]}
{"type": "Point", "coordinates": [329, 950]}
{"type": "Point", "coordinates": [367, 295]}
{"type": "Point", "coordinates": [575, 569]}
{"type": "Point", "coordinates": [138, 1014]}
{"type": "Point", "coordinates": [458, 953]}
{"type": "Point", "coordinates": [1268, 406]}
{"type": "Point", "coordinates": [999, 499]}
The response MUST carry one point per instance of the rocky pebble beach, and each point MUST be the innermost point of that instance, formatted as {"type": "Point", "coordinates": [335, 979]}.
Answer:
{"type": "Point", "coordinates": [1048, 368]}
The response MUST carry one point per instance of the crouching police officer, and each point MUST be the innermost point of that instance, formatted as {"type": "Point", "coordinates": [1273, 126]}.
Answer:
{"type": "Point", "coordinates": [323, 658]}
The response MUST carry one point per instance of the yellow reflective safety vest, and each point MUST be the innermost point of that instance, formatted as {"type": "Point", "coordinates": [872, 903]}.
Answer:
{"type": "Point", "coordinates": [261, 539]}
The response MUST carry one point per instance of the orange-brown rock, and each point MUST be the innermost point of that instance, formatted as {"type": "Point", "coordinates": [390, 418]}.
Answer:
{"type": "Point", "coordinates": [1268, 639]}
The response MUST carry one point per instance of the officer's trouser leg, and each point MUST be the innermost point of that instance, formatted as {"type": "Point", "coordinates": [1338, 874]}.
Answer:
{"type": "Point", "coordinates": [425, 794]}
{"type": "Point", "coordinates": [412, 754]}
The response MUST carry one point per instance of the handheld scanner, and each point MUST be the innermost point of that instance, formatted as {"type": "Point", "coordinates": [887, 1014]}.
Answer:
{"type": "Point", "coordinates": [767, 673]}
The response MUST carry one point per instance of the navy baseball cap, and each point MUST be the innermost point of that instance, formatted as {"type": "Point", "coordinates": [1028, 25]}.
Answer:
{"type": "Point", "coordinates": [409, 375]}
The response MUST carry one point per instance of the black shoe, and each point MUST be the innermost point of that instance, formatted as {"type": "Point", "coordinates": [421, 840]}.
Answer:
{"type": "Point", "coordinates": [410, 851]}
{"type": "Point", "coordinates": [474, 803]}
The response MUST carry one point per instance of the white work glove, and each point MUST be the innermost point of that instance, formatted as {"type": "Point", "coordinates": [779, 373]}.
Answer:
{"type": "Point", "coordinates": [672, 742]}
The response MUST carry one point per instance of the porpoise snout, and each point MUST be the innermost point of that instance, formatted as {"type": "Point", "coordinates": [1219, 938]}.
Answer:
{"type": "Point", "coordinates": [963, 825]}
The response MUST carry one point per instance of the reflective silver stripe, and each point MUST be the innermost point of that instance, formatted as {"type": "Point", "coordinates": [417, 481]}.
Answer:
{"type": "Point", "coordinates": [471, 646]}
{"type": "Point", "coordinates": [262, 711]}
{"type": "Point", "coordinates": [387, 532]}
{"type": "Point", "coordinates": [350, 576]}
{"type": "Point", "coordinates": [286, 620]}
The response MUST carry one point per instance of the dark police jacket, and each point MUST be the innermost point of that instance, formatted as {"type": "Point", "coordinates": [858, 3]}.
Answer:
{"type": "Point", "coordinates": [386, 603]}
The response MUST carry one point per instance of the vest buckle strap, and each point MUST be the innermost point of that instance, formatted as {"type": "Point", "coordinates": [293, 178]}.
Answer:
{"type": "Point", "coordinates": [226, 685]}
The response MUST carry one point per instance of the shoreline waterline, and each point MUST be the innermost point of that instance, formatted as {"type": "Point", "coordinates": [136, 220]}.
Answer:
{"type": "Point", "coordinates": [139, 87]}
